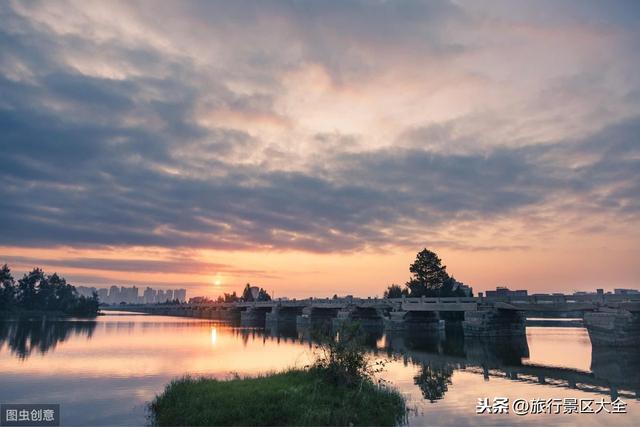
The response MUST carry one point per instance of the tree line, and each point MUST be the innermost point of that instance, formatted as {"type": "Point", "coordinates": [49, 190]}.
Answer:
{"type": "Point", "coordinates": [429, 278]}
{"type": "Point", "coordinates": [37, 291]}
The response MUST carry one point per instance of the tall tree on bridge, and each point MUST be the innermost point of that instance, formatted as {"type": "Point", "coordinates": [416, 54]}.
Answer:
{"type": "Point", "coordinates": [428, 275]}
{"type": "Point", "coordinates": [429, 278]}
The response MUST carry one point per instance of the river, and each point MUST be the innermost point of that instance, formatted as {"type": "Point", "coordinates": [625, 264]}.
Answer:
{"type": "Point", "coordinates": [104, 372]}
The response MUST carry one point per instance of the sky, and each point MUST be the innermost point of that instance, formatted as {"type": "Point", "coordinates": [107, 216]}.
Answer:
{"type": "Point", "coordinates": [314, 148]}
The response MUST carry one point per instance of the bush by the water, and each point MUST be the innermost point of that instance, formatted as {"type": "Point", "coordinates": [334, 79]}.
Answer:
{"type": "Point", "coordinates": [295, 397]}
{"type": "Point", "coordinates": [337, 389]}
{"type": "Point", "coordinates": [39, 292]}
{"type": "Point", "coordinates": [341, 357]}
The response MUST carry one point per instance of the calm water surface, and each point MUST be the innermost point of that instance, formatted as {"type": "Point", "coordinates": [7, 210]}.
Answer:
{"type": "Point", "coordinates": [104, 372]}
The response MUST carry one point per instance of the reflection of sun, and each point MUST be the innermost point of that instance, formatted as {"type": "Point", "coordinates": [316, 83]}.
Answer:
{"type": "Point", "coordinates": [214, 336]}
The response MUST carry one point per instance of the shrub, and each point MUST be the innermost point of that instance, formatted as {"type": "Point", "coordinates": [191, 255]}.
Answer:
{"type": "Point", "coordinates": [341, 358]}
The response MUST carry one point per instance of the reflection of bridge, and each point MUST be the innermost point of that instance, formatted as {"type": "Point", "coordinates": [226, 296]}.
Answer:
{"type": "Point", "coordinates": [497, 360]}
{"type": "Point", "coordinates": [614, 371]}
{"type": "Point", "coordinates": [610, 319]}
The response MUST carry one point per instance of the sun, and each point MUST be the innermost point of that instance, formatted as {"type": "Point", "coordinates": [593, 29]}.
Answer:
{"type": "Point", "coordinates": [217, 280]}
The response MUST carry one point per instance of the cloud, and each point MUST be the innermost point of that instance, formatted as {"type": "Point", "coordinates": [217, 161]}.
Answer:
{"type": "Point", "coordinates": [174, 266]}
{"type": "Point", "coordinates": [232, 125]}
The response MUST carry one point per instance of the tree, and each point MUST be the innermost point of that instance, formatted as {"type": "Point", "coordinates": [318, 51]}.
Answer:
{"type": "Point", "coordinates": [429, 279]}
{"type": "Point", "coordinates": [27, 291]}
{"type": "Point", "coordinates": [453, 288]}
{"type": "Point", "coordinates": [246, 294]}
{"type": "Point", "coordinates": [7, 287]}
{"type": "Point", "coordinates": [85, 306]}
{"type": "Point", "coordinates": [37, 291]}
{"type": "Point", "coordinates": [429, 275]}
{"type": "Point", "coordinates": [395, 291]}
{"type": "Point", "coordinates": [231, 297]}
{"type": "Point", "coordinates": [65, 297]}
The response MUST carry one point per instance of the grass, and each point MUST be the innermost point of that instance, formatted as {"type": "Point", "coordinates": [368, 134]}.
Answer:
{"type": "Point", "coordinates": [294, 397]}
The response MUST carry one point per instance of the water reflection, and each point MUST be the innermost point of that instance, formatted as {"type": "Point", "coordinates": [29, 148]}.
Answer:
{"type": "Point", "coordinates": [438, 355]}
{"type": "Point", "coordinates": [618, 368]}
{"type": "Point", "coordinates": [433, 381]}
{"type": "Point", "coordinates": [25, 336]}
{"type": "Point", "coordinates": [130, 358]}
{"type": "Point", "coordinates": [614, 371]}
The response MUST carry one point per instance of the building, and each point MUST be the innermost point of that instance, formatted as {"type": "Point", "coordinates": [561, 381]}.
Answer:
{"type": "Point", "coordinates": [150, 296]}
{"type": "Point", "coordinates": [504, 292]}
{"type": "Point", "coordinates": [468, 290]}
{"type": "Point", "coordinates": [114, 295]}
{"type": "Point", "coordinates": [180, 295]}
{"type": "Point", "coordinates": [164, 296]}
{"type": "Point", "coordinates": [131, 295]}
{"type": "Point", "coordinates": [620, 291]}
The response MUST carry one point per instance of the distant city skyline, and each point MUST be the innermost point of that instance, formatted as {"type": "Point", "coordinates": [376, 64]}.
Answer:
{"type": "Point", "coordinates": [130, 295]}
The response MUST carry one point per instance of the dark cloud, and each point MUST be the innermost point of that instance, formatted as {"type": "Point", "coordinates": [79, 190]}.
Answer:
{"type": "Point", "coordinates": [245, 207]}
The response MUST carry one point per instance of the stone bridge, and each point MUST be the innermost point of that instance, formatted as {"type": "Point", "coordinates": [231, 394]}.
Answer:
{"type": "Point", "coordinates": [610, 319]}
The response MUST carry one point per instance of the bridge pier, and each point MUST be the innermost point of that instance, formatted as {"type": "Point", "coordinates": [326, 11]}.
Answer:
{"type": "Point", "coordinates": [494, 323]}
{"type": "Point", "coordinates": [282, 315]}
{"type": "Point", "coordinates": [613, 327]}
{"type": "Point", "coordinates": [313, 315]}
{"type": "Point", "coordinates": [228, 314]}
{"type": "Point", "coordinates": [427, 321]}
{"type": "Point", "coordinates": [365, 317]}
{"type": "Point", "coordinates": [253, 316]}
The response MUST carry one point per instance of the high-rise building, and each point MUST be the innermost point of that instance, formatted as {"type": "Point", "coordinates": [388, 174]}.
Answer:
{"type": "Point", "coordinates": [103, 295]}
{"type": "Point", "coordinates": [131, 294]}
{"type": "Point", "coordinates": [180, 295]}
{"type": "Point", "coordinates": [149, 296]}
{"type": "Point", "coordinates": [161, 296]}
{"type": "Point", "coordinates": [166, 295]}
{"type": "Point", "coordinates": [114, 295]}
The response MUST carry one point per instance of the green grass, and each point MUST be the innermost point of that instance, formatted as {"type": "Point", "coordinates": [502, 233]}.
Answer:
{"type": "Point", "coordinates": [295, 397]}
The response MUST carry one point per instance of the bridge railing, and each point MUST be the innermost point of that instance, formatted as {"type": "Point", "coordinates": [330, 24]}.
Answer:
{"type": "Point", "coordinates": [541, 299]}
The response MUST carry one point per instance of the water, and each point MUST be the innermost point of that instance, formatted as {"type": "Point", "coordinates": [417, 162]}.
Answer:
{"type": "Point", "coordinates": [104, 372]}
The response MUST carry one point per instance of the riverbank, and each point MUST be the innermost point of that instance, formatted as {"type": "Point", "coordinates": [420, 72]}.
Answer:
{"type": "Point", "coordinates": [294, 397]}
